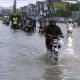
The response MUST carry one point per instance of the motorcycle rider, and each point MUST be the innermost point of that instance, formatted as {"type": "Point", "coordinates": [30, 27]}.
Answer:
{"type": "Point", "coordinates": [34, 24]}
{"type": "Point", "coordinates": [21, 20]}
{"type": "Point", "coordinates": [69, 24]}
{"type": "Point", "coordinates": [51, 29]}
{"type": "Point", "coordinates": [15, 22]}
{"type": "Point", "coordinates": [7, 20]}
{"type": "Point", "coordinates": [28, 21]}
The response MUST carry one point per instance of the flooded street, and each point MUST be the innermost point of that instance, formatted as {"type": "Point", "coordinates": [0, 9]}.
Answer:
{"type": "Point", "coordinates": [22, 56]}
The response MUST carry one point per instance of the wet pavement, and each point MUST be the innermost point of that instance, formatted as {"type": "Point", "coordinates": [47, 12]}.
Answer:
{"type": "Point", "coordinates": [23, 56]}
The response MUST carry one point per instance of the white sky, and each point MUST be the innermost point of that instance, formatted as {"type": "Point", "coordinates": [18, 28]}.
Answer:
{"type": "Point", "coordinates": [20, 3]}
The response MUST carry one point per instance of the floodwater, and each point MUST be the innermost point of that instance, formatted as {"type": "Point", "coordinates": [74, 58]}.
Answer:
{"type": "Point", "coordinates": [23, 56]}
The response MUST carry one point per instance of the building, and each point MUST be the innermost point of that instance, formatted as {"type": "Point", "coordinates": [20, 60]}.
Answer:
{"type": "Point", "coordinates": [24, 10]}
{"type": "Point", "coordinates": [42, 8]}
{"type": "Point", "coordinates": [5, 11]}
{"type": "Point", "coordinates": [11, 9]}
{"type": "Point", "coordinates": [75, 14]}
{"type": "Point", "coordinates": [33, 10]}
{"type": "Point", "coordinates": [0, 10]}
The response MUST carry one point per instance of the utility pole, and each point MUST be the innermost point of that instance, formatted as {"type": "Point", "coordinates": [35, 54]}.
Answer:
{"type": "Point", "coordinates": [79, 12]}
{"type": "Point", "coordinates": [45, 8]}
{"type": "Point", "coordinates": [50, 7]}
{"type": "Point", "coordinates": [14, 7]}
{"type": "Point", "coordinates": [29, 11]}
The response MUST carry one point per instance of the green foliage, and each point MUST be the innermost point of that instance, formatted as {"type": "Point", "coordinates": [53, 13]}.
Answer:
{"type": "Point", "coordinates": [12, 15]}
{"type": "Point", "coordinates": [74, 7]}
{"type": "Point", "coordinates": [48, 15]}
{"type": "Point", "coordinates": [68, 12]}
{"type": "Point", "coordinates": [63, 13]}
{"type": "Point", "coordinates": [78, 21]}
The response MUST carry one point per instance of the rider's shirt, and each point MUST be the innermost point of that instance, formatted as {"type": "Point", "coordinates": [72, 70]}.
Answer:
{"type": "Point", "coordinates": [14, 20]}
{"type": "Point", "coordinates": [69, 25]}
{"type": "Point", "coordinates": [53, 30]}
{"type": "Point", "coordinates": [27, 22]}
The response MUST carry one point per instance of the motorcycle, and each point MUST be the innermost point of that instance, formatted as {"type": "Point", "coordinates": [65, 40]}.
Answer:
{"type": "Point", "coordinates": [4, 21]}
{"type": "Point", "coordinates": [55, 45]}
{"type": "Point", "coordinates": [20, 25]}
{"type": "Point", "coordinates": [7, 23]}
{"type": "Point", "coordinates": [70, 30]}
{"type": "Point", "coordinates": [28, 28]}
{"type": "Point", "coordinates": [41, 28]}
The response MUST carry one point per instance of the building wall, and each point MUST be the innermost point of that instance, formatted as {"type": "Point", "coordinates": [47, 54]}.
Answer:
{"type": "Point", "coordinates": [75, 14]}
{"type": "Point", "coordinates": [0, 10]}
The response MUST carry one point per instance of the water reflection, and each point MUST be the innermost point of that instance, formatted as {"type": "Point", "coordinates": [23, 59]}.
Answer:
{"type": "Point", "coordinates": [70, 44]}
{"type": "Point", "coordinates": [70, 41]}
{"type": "Point", "coordinates": [53, 73]}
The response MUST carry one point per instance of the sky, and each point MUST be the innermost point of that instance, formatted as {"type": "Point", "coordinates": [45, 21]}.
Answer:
{"type": "Point", "coordinates": [20, 3]}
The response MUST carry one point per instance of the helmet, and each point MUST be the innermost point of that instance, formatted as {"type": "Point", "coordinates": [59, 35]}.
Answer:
{"type": "Point", "coordinates": [52, 21]}
{"type": "Point", "coordinates": [70, 20]}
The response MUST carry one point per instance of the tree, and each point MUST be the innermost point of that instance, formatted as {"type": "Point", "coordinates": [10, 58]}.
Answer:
{"type": "Point", "coordinates": [11, 15]}
{"type": "Point", "coordinates": [63, 13]}
{"type": "Point", "coordinates": [73, 7]}
{"type": "Point", "coordinates": [58, 0]}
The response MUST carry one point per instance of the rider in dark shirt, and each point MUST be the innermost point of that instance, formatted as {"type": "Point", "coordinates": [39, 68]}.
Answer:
{"type": "Point", "coordinates": [51, 29]}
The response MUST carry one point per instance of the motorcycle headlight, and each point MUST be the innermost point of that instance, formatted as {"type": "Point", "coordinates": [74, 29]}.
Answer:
{"type": "Point", "coordinates": [70, 28]}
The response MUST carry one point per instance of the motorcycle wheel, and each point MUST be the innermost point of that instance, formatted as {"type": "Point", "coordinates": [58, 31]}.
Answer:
{"type": "Point", "coordinates": [56, 56]}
